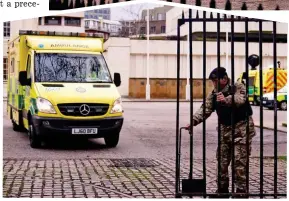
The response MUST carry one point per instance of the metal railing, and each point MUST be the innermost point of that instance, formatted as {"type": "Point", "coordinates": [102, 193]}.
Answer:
{"type": "Point", "coordinates": [198, 187]}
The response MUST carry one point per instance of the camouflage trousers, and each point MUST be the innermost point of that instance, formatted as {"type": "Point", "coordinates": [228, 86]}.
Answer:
{"type": "Point", "coordinates": [241, 154]}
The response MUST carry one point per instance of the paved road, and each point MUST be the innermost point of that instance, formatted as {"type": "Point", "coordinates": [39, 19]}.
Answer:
{"type": "Point", "coordinates": [148, 132]}
{"type": "Point", "coordinates": [143, 164]}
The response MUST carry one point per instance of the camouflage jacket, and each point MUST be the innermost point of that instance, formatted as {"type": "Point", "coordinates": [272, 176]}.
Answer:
{"type": "Point", "coordinates": [240, 97]}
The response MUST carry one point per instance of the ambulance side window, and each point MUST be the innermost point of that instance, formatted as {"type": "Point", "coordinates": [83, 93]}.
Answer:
{"type": "Point", "coordinates": [28, 67]}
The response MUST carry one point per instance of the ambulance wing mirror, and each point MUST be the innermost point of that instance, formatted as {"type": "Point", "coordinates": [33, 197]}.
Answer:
{"type": "Point", "coordinates": [23, 78]}
{"type": "Point", "coordinates": [117, 79]}
{"type": "Point", "coordinates": [253, 61]}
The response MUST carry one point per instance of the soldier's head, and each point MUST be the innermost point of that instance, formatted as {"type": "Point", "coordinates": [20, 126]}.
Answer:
{"type": "Point", "coordinates": [219, 74]}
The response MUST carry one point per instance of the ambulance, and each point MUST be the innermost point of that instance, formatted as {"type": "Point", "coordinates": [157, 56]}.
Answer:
{"type": "Point", "coordinates": [59, 84]}
{"type": "Point", "coordinates": [268, 99]}
{"type": "Point", "coordinates": [268, 82]}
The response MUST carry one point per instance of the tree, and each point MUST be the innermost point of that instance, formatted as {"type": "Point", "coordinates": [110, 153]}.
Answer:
{"type": "Point", "coordinates": [244, 6]}
{"type": "Point", "coordinates": [138, 21]}
{"type": "Point", "coordinates": [183, 2]}
{"type": "Point", "coordinates": [102, 2]}
{"type": "Point", "coordinates": [260, 7]}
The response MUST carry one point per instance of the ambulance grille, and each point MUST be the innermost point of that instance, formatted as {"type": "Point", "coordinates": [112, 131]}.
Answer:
{"type": "Point", "coordinates": [73, 109]}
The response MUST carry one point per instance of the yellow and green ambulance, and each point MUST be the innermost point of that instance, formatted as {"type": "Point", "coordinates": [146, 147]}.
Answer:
{"type": "Point", "coordinates": [59, 84]}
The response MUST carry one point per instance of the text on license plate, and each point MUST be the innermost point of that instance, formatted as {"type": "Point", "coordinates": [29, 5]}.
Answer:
{"type": "Point", "coordinates": [84, 131]}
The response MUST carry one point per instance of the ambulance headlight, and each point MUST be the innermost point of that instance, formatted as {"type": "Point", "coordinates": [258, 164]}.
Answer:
{"type": "Point", "coordinates": [45, 106]}
{"type": "Point", "coordinates": [117, 106]}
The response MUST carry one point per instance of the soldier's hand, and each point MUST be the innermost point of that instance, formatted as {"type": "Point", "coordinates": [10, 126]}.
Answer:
{"type": "Point", "coordinates": [188, 127]}
{"type": "Point", "coordinates": [220, 97]}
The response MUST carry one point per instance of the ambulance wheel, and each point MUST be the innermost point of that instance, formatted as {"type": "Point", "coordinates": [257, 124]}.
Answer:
{"type": "Point", "coordinates": [283, 105]}
{"type": "Point", "coordinates": [112, 140]}
{"type": "Point", "coordinates": [35, 141]}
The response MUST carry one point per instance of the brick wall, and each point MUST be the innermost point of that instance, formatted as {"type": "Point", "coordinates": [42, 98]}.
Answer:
{"type": "Point", "coordinates": [251, 4]}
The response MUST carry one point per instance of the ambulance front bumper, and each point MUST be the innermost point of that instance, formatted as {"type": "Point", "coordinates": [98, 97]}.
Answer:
{"type": "Point", "coordinates": [64, 127]}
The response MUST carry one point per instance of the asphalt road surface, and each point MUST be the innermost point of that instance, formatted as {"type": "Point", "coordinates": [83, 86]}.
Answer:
{"type": "Point", "coordinates": [149, 131]}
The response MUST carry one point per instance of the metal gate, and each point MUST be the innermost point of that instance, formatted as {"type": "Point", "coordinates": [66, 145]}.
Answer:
{"type": "Point", "coordinates": [190, 187]}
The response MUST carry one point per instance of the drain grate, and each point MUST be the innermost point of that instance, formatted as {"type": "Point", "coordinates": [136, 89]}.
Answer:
{"type": "Point", "coordinates": [135, 162]}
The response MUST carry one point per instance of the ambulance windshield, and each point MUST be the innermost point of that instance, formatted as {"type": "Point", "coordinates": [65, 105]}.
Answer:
{"type": "Point", "coordinates": [68, 67]}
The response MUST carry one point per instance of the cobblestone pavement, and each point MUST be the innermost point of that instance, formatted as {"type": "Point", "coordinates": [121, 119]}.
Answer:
{"type": "Point", "coordinates": [109, 178]}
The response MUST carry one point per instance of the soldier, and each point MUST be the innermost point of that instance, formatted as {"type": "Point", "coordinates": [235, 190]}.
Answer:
{"type": "Point", "coordinates": [221, 102]}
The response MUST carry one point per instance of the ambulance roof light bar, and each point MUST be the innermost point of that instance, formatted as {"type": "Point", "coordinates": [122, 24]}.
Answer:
{"type": "Point", "coordinates": [54, 33]}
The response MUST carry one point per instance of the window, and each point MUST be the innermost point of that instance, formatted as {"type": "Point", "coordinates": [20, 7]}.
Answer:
{"type": "Point", "coordinates": [39, 20]}
{"type": "Point", "coordinates": [160, 16]}
{"type": "Point", "coordinates": [142, 30]}
{"type": "Point", "coordinates": [153, 29]}
{"type": "Point", "coordinates": [152, 17]}
{"type": "Point", "coordinates": [6, 30]}
{"type": "Point", "coordinates": [83, 68]}
{"type": "Point", "coordinates": [72, 21]}
{"type": "Point", "coordinates": [5, 69]}
{"type": "Point", "coordinates": [163, 29]}
{"type": "Point", "coordinates": [52, 20]}
{"type": "Point", "coordinates": [86, 23]}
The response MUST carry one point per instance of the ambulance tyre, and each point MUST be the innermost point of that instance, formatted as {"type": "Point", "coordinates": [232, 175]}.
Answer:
{"type": "Point", "coordinates": [112, 140]}
{"type": "Point", "coordinates": [35, 141]}
{"type": "Point", "coordinates": [283, 105]}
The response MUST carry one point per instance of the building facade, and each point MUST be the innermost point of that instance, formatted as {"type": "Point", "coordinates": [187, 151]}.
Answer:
{"type": "Point", "coordinates": [157, 23]}
{"type": "Point", "coordinates": [103, 13]}
{"type": "Point", "coordinates": [107, 27]}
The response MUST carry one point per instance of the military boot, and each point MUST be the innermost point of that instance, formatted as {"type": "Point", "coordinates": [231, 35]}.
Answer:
{"type": "Point", "coordinates": [219, 193]}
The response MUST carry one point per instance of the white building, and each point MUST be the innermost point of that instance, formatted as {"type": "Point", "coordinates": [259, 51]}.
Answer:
{"type": "Point", "coordinates": [110, 26]}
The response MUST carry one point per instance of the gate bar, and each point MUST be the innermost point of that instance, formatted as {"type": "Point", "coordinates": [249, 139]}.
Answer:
{"type": "Point", "coordinates": [204, 99]}
{"type": "Point", "coordinates": [219, 64]}
{"type": "Point", "coordinates": [191, 95]}
{"type": "Point", "coordinates": [178, 108]}
{"type": "Point", "coordinates": [275, 108]}
{"type": "Point", "coordinates": [261, 106]}
{"type": "Point", "coordinates": [230, 194]}
{"type": "Point", "coordinates": [233, 102]}
{"type": "Point", "coordinates": [247, 116]}
{"type": "Point", "coordinates": [222, 20]}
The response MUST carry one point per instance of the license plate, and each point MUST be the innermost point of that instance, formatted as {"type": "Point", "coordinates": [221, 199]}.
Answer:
{"type": "Point", "coordinates": [82, 131]}
{"type": "Point", "coordinates": [264, 102]}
